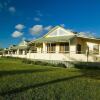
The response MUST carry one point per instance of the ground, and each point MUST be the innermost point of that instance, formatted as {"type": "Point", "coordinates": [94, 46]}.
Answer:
{"type": "Point", "coordinates": [20, 81]}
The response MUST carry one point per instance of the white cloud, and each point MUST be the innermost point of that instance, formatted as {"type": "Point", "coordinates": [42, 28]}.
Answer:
{"type": "Point", "coordinates": [36, 19]}
{"type": "Point", "coordinates": [19, 27]}
{"type": "Point", "coordinates": [36, 29]}
{"type": "Point", "coordinates": [39, 29]}
{"type": "Point", "coordinates": [12, 9]}
{"type": "Point", "coordinates": [48, 28]}
{"type": "Point", "coordinates": [16, 34]}
{"type": "Point", "coordinates": [62, 25]}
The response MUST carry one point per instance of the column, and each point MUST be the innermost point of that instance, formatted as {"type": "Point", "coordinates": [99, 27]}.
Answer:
{"type": "Point", "coordinates": [17, 51]}
{"type": "Point", "coordinates": [72, 47]}
{"type": "Point", "coordinates": [8, 53]}
{"type": "Point", "coordinates": [57, 48]}
{"type": "Point", "coordinates": [23, 52]}
{"type": "Point", "coordinates": [44, 48]}
{"type": "Point", "coordinates": [99, 49]}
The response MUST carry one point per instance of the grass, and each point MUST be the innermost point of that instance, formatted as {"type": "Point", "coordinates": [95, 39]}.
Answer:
{"type": "Point", "coordinates": [20, 81]}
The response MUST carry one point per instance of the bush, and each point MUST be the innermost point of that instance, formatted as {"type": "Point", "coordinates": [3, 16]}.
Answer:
{"type": "Point", "coordinates": [87, 65]}
{"type": "Point", "coordinates": [44, 63]}
{"type": "Point", "coordinates": [61, 65]}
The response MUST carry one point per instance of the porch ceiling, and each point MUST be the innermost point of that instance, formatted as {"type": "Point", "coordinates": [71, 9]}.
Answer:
{"type": "Point", "coordinates": [54, 39]}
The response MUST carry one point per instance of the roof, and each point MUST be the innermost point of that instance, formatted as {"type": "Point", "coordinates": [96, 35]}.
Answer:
{"type": "Point", "coordinates": [54, 39]}
{"type": "Point", "coordinates": [90, 38]}
{"type": "Point", "coordinates": [59, 27]}
{"type": "Point", "coordinates": [18, 47]}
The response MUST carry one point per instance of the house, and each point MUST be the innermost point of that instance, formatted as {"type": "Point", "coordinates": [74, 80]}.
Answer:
{"type": "Point", "coordinates": [19, 50]}
{"type": "Point", "coordinates": [1, 52]}
{"type": "Point", "coordinates": [58, 44]}
{"type": "Point", "coordinates": [64, 45]}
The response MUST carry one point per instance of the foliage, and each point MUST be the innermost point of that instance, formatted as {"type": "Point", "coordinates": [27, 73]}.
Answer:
{"type": "Point", "coordinates": [44, 63]}
{"type": "Point", "coordinates": [88, 65]}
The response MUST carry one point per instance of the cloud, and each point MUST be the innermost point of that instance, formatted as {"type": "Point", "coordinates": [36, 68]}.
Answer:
{"type": "Point", "coordinates": [36, 29]}
{"type": "Point", "coordinates": [36, 19]}
{"type": "Point", "coordinates": [19, 27]}
{"type": "Point", "coordinates": [62, 25]}
{"type": "Point", "coordinates": [12, 9]}
{"type": "Point", "coordinates": [39, 29]}
{"type": "Point", "coordinates": [48, 28]}
{"type": "Point", "coordinates": [17, 34]}
{"type": "Point", "coordinates": [4, 6]}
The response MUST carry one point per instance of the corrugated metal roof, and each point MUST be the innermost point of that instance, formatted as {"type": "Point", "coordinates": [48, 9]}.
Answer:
{"type": "Point", "coordinates": [54, 39]}
{"type": "Point", "coordinates": [18, 47]}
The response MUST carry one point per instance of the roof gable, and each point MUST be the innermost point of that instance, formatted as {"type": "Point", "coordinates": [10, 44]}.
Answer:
{"type": "Point", "coordinates": [23, 43]}
{"type": "Point", "coordinates": [58, 31]}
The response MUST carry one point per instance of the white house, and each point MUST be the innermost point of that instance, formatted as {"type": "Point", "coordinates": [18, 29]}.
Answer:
{"type": "Point", "coordinates": [60, 44]}
{"type": "Point", "coordinates": [19, 50]}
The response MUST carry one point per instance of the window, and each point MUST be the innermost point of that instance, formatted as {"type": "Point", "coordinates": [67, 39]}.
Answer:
{"type": "Point", "coordinates": [20, 52]}
{"type": "Point", "coordinates": [51, 48]}
{"type": "Point", "coordinates": [33, 50]}
{"type": "Point", "coordinates": [25, 52]}
{"type": "Point", "coordinates": [79, 49]}
{"type": "Point", "coordinates": [64, 47]}
{"type": "Point", "coordinates": [14, 52]}
{"type": "Point", "coordinates": [96, 49]}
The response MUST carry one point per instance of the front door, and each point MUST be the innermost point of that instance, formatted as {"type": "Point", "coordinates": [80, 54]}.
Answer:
{"type": "Point", "coordinates": [78, 48]}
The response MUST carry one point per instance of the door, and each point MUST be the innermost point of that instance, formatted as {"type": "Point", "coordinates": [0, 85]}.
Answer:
{"type": "Point", "coordinates": [78, 48]}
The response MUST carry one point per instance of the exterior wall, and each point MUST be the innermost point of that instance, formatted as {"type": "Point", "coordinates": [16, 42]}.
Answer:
{"type": "Point", "coordinates": [61, 57]}
{"type": "Point", "coordinates": [83, 44]}
{"type": "Point", "coordinates": [72, 45]}
{"type": "Point", "coordinates": [48, 56]}
{"type": "Point", "coordinates": [88, 42]}
{"type": "Point", "coordinates": [90, 45]}
{"type": "Point", "coordinates": [15, 55]}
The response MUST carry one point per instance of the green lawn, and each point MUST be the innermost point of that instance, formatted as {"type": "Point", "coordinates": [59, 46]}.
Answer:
{"type": "Point", "coordinates": [19, 81]}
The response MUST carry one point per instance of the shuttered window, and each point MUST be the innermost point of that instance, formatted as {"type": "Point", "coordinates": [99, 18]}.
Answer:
{"type": "Point", "coordinates": [64, 48]}
{"type": "Point", "coordinates": [51, 48]}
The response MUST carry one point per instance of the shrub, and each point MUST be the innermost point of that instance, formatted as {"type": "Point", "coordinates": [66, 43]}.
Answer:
{"type": "Point", "coordinates": [44, 63]}
{"type": "Point", "coordinates": [61, 65]}
{"type": "Point", "coordinates": [87, 65]}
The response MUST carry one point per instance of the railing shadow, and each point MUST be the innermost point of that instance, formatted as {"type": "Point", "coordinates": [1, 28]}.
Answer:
{"type": "Point", "coordinates": [13, 72]}
{"type": "Point", "coordinates": [21, 89]}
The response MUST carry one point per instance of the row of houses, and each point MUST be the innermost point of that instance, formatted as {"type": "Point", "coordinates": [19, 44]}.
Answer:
{"type": "Point", "coordinates": [58, 44]}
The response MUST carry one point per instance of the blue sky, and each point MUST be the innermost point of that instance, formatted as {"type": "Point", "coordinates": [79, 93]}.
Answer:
{"type": "Point", "coordinates": [30, 19]}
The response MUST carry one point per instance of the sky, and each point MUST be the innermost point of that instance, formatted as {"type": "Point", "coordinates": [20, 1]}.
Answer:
{"type": "Point", "coordinates": [30, 19]}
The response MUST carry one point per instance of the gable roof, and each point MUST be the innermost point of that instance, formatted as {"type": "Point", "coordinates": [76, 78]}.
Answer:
{"type": "Point", "coordinates": [60, 28]}
{"type": "Point", "coordinates": [53, 29]}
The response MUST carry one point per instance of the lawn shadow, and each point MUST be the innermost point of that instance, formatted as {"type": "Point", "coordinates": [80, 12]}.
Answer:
{"type": "Point", "coordinates": [18, 90]}
{"type": "Point", "coordinates": [28, 71]}
{"type": "Point", "coordinates": [89, 69]}
{"type": "Point", "coordinates": [91, 73]}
